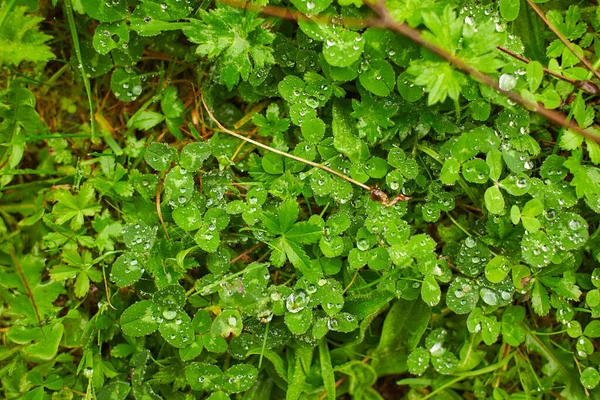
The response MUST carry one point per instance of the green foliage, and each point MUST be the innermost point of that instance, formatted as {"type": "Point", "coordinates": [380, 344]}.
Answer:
{"type": "Point", "coordinates": [236, 39]}
{"type": "Point", "coordinates": [452, 252]}
{"type": "Point", "coordinates": [21, 39]}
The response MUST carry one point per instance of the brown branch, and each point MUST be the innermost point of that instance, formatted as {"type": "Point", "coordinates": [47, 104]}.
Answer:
{"type": "Point", "coordinates": [245, 253]}
{"type": "Point", "coordinates": [563, 39]}
{"type": "Point", "coordinates": [282, 153]}
{"type": "Point", "coordinates": [586, 85]}
{"type": "Point", "coordinates": [293, 15]}
{"type": "Point", "coordinates": [387, 22]}
{"type": "Point", "coordinates": [527, 61]}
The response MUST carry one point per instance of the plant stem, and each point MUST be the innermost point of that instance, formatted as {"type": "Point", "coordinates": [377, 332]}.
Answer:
{"type": "Point", "coordinates": [283, 153]}
{"type": "Point", "coordinates": [464, 185]}
{"type": "Point", "coordinates": [86, 81]}
{"type": "Point", "coordinates": [17, 264]}
{"type": "Point", "coordinates": [563, 39]}
{"type": "Point", "coordinates": [585, 85]}
{"type": "Point", "coordinates": [464, 375]}
{"type": "Point", "coordinates": [386, 21]}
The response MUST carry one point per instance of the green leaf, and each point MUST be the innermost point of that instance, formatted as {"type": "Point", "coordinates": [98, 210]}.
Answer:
{"type": "Point", "coordinates": [379, 78]}
{"type": "Point", "coordinates": [287, 215]}
{"type": "Point", "coordinates": [535, 75]}
{"type": "Point", "coordinates": [227, 323]}
{"type": "Point", "coordinates": [376, 167]}
{"type": "Point", "coordinates": [313, 130]}
{"type": "Point", "coordinates": [139, 238]}
{"type": "Point", "coordinates": [114, 391]}
{"type": "Point", "coordinates": [450, 170]}
{"type": "Point", "coordinates": [126, 85]}
{"type": "Point", "coordinates": [494, 201]}
{"type": "Point", "coordinates": [46, 348]}
{"type": "Point", "coordinates": [476, 171]}
{"type": "Point", "coordinates": [532, 208]}
{"type": "Point", "coordinates": [145, 120]}
{"type": "Point", "coordinates": [430, 291]}
{"type": "Point", "coordinates": [327, 370]}
{"type": "Point", "coordinates": [169, 297]}
{"type": "Point", "coordinates": [490, 329]}
{"type": "Point", "coordinates": [497, 269]}
{"type": "Point", "coordinates": [404, 325]}
{"type": "Point", "coordinates": [108, 37]}
{"type": "Point", "coordinates": [126, 270]}
{"type": "Point", "coordinates": [311, 7]}
{"type": "Point", "coordinates": [204, 377]}
{"type": "Point", "coordinates": [446, 364]}
{"type": "Point", "coordinates": [509, 9]}
{"type": "Point", "coordinates": [342, 47]}
{"type": "Point", "coordinates": [439, 79]}
{"type": "Point", "coordinates": [240, 378]}
{"type": "Point", "coordinates": [193, 155]}
{"type": "Point", "coordinates": [494, 161]}
{"type": "Point", "coordinates": [187, 218]}
{"type": "Point", "coordinates": [177, 329]}
{"type": "Point", "coordinates": [99, 11]}
{"type": "Point", "coordinates": [480, 110]}
{"type": "Point", "coordinates": [235, 39]}
{"type": "Point", "coordinates": [462, 296]}
{"type": "Point", "coordinates": [517, 185]}
{"type": "Point", "coordinates": [418, 361]}
{"type": "Point", "coordinates": [590, 378]}
{"type": "Point", "coordinates": [345, 138]}
{"type": "Point", "coordinates": [179, 186]}
{"type": "Point", "coordinates": [159, 156]}
{"type": "Point", "coordinates": [20, 37]}
{"type": "Point", "coordinates": [272, 163]}
{"type": "Point", "coordinates": [537, 250]}
{"type": "Point", "coordinates": [471, 143]}
{"type": "Point", "coordinates": [592, 329]}
{"type": "Point", "coordinates": [515, 214]}
{"type": "Point", "coordinates": [473, 257]}
{"type": "Point", "coordinates": [407, 89]}
{"type": "Point", "coordinates": [138, 320]}
{"type": "Point", "coordinates": [75, 208]}
{"type": "Point", "coordinates": [532, 224]}
{"type": "Point", "coordinates": [300, 322]}
{"type": "Point", "coordinates": [539, 299]}
{"type": "Point", "coordinates": [297, 373]}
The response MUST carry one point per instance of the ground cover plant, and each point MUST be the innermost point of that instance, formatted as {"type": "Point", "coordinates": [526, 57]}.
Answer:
{"type": "Point", "coordinates": [299, 199]}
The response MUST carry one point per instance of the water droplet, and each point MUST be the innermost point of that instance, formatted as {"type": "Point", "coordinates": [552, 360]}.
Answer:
{"type": "Point", "coordinates": [574, 224]}
{"type": "Point", "coordinates": [470, 242]}
{"type": "Point", "coordinates": [362, 244]}
{"type": "Point", "coordinates": [507, 82]}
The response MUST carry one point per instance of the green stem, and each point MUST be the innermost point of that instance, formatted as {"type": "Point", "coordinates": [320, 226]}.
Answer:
{"type": "Point", "coordinates": [465, 187]}
{"type": "Point", "coordinates": [455, 222]}
{"type": "Point", "coordinates": [264, 344]}
{"type": "Point", "coordinates": [548, 333]}
{"type": "Point", "coordinates": [464, 375]}
{"type": "Point", "coordinates": [86, 80]}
